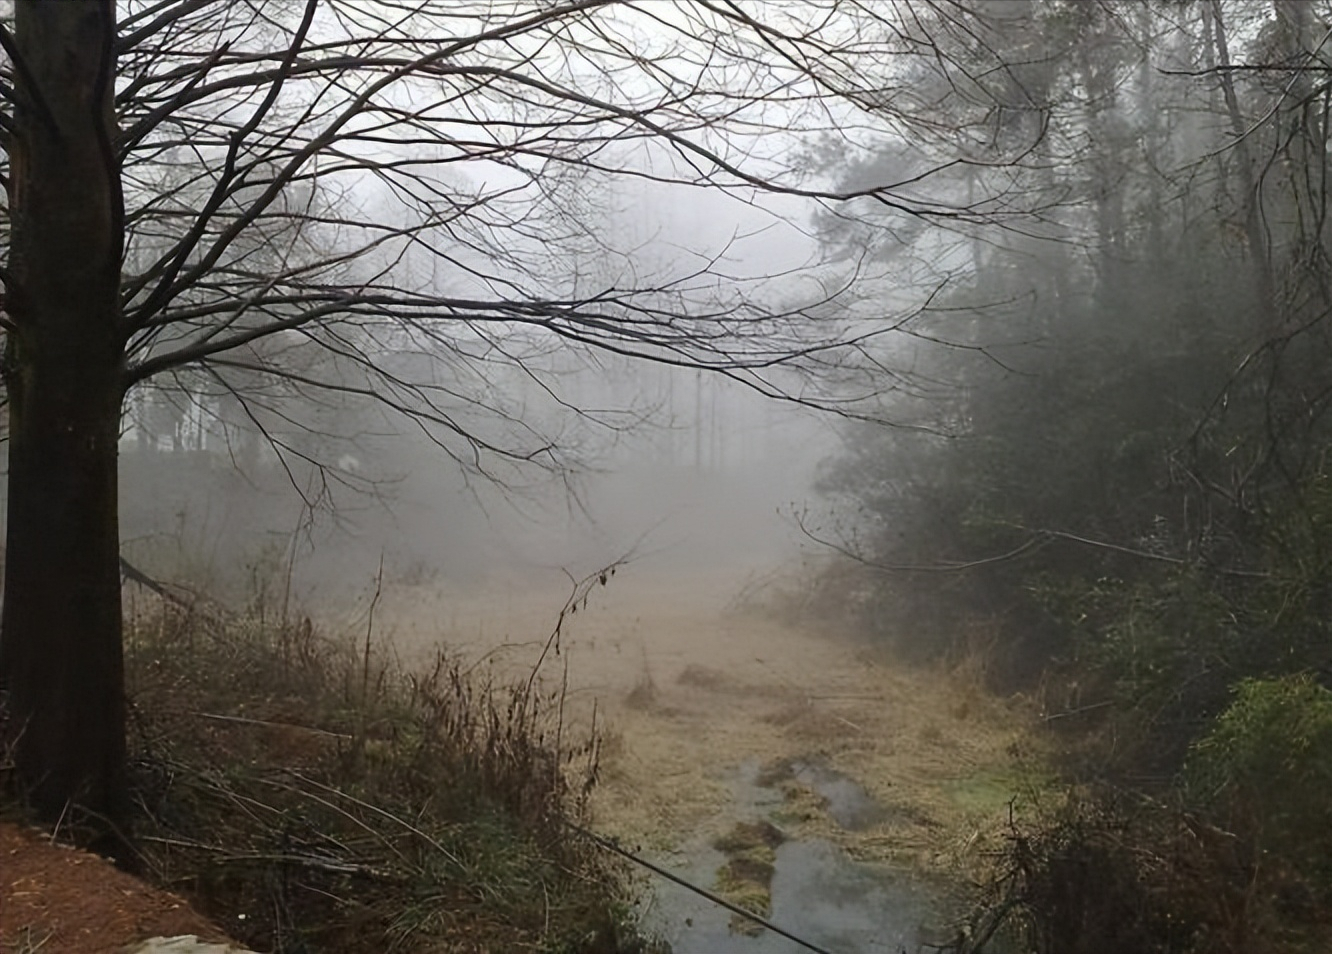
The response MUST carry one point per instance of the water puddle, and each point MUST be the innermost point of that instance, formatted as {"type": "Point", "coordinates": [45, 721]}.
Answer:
{"type": "Point", "coordinates": [817, 891]}
{"type": "Point", "coordinates": [846, 800]}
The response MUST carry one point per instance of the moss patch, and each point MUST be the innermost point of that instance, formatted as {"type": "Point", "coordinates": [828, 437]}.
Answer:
{"type": "Point", "coordinates": [989, 790]}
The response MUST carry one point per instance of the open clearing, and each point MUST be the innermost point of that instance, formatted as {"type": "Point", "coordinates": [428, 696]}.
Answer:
{"type": "Point", "coordinates": [693, 692]}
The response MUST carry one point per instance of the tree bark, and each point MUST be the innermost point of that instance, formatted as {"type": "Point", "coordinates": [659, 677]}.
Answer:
{"type": "Point", "coordinates": [1255, 234]}
{"type": "Point", "coordinates": [61, 666]}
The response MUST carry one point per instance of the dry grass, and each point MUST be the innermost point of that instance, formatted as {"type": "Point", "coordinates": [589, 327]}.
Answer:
{"type": "Point", "coordinates": [728, 689]}
{"type": "Point", "coordinates": [693, 694]}
{"type": "Point", "coordinates": [312, 796]}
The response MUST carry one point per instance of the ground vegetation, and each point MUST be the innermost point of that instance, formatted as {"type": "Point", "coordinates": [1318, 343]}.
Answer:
{"type": "Point", "coordinates": [1111, 492]}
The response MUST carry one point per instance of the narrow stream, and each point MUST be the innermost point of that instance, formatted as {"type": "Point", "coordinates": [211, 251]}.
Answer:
{"type": "Point", "coordinates": [728, 724]}
{"type": "Point", "coordinates": [819, 893]}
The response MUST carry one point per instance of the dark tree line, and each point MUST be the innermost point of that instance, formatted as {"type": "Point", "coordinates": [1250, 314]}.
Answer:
{"type": "Point", "coordinates": [1115, 489]}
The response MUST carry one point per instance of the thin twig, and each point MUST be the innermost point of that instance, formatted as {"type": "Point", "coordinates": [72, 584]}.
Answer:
{"type": "Point", "coordinates": [379, 811]}
{"type": "Point", "coordinates": [1079, 710]}
{"type": "Point", "coordinates": [345, 814]}
{"type": "Point", "coordinates": [276, 725]}
{"type": "Point", "coordinates": [579, 593]}
{"type": "Point", "coordinates": [369, 632]}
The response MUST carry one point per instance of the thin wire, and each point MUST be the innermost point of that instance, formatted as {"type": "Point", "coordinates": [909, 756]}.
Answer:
{"type": "Point", "coordinates": [703, 892]}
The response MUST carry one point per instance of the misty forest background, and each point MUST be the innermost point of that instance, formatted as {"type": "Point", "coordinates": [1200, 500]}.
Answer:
{"type": "Point", "coordinates": [1112, 485]}
{"type": "Point", "coordinates": [1104, 477]}
{"type": "Point", "coordinates": [1081, 446]}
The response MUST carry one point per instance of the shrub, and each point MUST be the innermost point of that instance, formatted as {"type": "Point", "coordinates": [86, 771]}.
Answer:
{"type": "Point", "coordinates": [1111, 872]}
{"type": "Point", "coordinates": [1265, 770]}
{"type": "Point", "coordinates": [312, 796]}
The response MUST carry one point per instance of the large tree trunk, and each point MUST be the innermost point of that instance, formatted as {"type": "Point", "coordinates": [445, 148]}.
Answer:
{"type": "Point", "coordinates": [60, 634]}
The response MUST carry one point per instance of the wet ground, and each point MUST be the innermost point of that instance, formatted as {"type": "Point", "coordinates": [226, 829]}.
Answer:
{"type": "Point", "coordinates": [879, 777]}
{"type": "Point", "coordinates": [817, 891]}
{"type": "Point", "coordinates": [818, 894]}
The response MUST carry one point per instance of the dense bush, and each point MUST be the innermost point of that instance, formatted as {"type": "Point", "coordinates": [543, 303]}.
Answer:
{"type": "Point", "coordinates": [1264, 770]}
{"type": "Point", "coordinates": [1112, 872]}
{"type": "Point", "coordinates": [1113, 478]}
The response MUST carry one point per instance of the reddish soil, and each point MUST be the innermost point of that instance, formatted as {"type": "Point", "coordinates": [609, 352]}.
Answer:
{"type": "Point", "coordinates": [57, 899]}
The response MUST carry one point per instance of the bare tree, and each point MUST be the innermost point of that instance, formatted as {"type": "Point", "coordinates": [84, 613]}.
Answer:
{"type": "Point", "coordinates": [222, 188]}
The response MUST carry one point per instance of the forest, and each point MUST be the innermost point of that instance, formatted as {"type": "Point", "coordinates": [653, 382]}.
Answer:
{"type": "Point", "coordinates": [1018, 313]}
{"type": "Point", "coordinates": [1110, 484]}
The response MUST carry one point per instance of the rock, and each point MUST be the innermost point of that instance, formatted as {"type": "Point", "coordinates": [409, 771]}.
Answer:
{"type": "Point", "coordinates": [183, 944]}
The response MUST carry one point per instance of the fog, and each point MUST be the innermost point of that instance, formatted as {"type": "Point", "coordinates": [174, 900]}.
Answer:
{"type": "Point", "coordinates": [605, 458]}
{"type": "Point", "coordinates": [919, 407]}
{"type": "Point", "coordinates": [710, 483]}
{"type": "Point", "coordinates": [477, 452]}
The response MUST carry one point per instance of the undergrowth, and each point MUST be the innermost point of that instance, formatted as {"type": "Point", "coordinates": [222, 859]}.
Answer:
{"type": "Point", "coordinates": [1110, 871]}
{"type": "Point", "coordinates": [312, 796]}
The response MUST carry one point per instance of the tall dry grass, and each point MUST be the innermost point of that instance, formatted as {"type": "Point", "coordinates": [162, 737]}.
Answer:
{"type": "Point", "coordinates": [312, 795]}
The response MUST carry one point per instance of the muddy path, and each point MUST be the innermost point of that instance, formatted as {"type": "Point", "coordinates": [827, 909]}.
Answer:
{"type": "Point", "coordinates": [715, 715]}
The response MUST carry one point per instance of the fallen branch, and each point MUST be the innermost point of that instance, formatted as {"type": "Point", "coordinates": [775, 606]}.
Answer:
{"type": "Point", "coordinates": [128, 571]}
{"type": "Point", "coordinates": [314, 862]}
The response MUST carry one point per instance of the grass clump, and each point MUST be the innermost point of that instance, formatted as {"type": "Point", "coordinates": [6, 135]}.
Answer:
{"type": "Point", "coordinates": [745, 878]}
{"type": "Point", "coordinates": [312, 796]}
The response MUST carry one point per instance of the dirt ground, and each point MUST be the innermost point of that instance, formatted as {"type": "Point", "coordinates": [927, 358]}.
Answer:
{"type": "Point", "coordinates": [690, 686]}
{"type": "Point", "coordinates": [56, 900]}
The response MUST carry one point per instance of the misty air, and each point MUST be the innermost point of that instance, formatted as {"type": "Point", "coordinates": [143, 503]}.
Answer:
{"type": "Point", "coordinates": [666, 476]}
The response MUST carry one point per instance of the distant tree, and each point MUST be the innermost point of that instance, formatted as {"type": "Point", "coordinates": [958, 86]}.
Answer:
{"type": "Point", "coordinates": [1145, 368]}
{"type": "Point", "coordinates": [221, 189]}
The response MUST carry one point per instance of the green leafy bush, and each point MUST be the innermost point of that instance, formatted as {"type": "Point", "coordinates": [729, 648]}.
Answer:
{"type": "Point", "coordinates": [1265, 768]}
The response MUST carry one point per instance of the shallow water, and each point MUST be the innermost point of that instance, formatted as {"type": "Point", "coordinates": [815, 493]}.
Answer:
{"type": "Point", "coordinates": [846, 800]}
{"type": "Point", "coordinates": [819, 893]}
